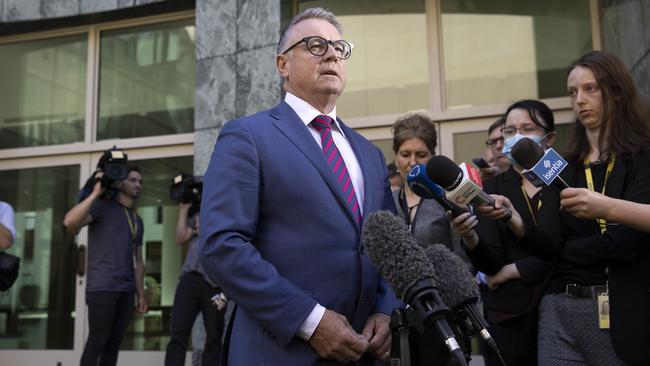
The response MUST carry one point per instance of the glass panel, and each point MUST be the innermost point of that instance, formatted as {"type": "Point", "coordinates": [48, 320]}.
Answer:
{"type": "Point", "coordinates": [38, 311]}
{"type": "Point", "coordinates": [43, 93]}
{"type": "Point", "coordinates": [388, 69]}
{"type": "Point", "coordinates": [500, 51]}
{"type": "Point", "coordinates": [163, 258]}
{"type": "Point", "coordinates": [146, 83]}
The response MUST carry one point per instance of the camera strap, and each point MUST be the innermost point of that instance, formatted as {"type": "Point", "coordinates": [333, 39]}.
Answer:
{"type": "Point", "coordinates": [133, 224]}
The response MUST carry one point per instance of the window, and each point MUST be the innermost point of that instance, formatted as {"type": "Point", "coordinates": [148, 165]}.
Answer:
{"type": "Point", "coordinates": [388, 69]}
{"type": "Point", "coordinates": [144, 87]}
{"type": "Point", "coordinates": [43, 94]}
{"type": "Point", "coordinates": [496, 52]}
{"type": "Point", "coordinates": [146, 83]}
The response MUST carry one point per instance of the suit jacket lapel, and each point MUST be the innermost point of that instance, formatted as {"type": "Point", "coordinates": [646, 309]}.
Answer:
{"type": "Point", "coordinates": [289, 124]}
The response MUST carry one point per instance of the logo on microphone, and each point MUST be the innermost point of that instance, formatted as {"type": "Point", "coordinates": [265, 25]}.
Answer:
{"type": "Point", "coordinates": [549, 166]}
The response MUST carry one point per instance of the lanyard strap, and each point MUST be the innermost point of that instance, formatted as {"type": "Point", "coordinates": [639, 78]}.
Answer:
{"type": "Point", "coordinates": [530, 207]}
{"type": "Point", "coordinates": [602, 223]}
{"type": "Point", "coordinates": [133, 224]}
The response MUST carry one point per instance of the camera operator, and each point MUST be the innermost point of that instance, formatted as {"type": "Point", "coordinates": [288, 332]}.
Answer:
{"type": "Point", "coordinates": [195, 291]}
{"type": "Point", "coordinates": [114, 239]}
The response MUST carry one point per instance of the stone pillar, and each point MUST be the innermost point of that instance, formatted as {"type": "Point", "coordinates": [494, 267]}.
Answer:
{"type": "Point", "coordinates": [235, 67]}
{"type": "Point", "coordinates": [625, 32]}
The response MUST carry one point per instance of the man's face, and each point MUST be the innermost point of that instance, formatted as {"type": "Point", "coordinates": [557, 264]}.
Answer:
{"type": "Point", "coordinates": [308, 76]}
{"type": "Point", "coordinates": [132, 185]}
{"type": "Point", "coordinates": [496, 148]}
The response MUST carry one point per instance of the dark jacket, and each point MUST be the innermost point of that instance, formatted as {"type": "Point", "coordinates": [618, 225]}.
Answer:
{"type": "Point", "coordinates": [582, 252]}
{"type": "Point", "coordinates": [498, 247]}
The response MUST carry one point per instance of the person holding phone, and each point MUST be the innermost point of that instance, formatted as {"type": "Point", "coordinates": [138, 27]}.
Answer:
{"type": "Point", "coordinates": [514, 276]}
{"type": "Point", "coordinates": [596, 260]}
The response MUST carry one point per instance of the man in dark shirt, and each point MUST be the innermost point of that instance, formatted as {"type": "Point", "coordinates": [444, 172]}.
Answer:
{"type": "Point", "coordinates": [114, 240]}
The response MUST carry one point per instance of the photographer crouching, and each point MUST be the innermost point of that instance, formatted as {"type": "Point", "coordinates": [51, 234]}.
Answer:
{"type": "Point", "coordinates": [106, 204]}
{"type": "Point", "coordinates": [195, 291]}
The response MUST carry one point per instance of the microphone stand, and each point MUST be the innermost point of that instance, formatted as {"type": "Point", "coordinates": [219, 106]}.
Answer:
{"type": "Point", "coordinates": [429, 312]}
{"type": "Point", "coordinates": [400, 350]}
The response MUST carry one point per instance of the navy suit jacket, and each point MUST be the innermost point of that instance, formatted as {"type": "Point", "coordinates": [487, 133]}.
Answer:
{"type": "Point", "coordinates": [278, 237]}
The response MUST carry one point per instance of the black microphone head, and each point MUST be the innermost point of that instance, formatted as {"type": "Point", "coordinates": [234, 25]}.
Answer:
{"type": "Point", "coordinates": [527, 153]}
{"type": "Point", "coordinates": [444, 172]}
{"type": "Point", "coordinates": [398, 257]}
{"type": "Point", "coordinates": [456, 283]}
{"type": "Point", "coordinates": [421, 185]}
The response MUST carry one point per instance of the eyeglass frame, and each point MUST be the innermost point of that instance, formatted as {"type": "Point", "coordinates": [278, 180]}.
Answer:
{"type": "Point", "coordinates": [519, 129]}
{"type": "Point", "coordinates": [491, 142]}
{"type": "Point", "coordinates": [327, 41]}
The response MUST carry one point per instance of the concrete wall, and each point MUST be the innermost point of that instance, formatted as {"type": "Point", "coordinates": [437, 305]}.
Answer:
{"type": "Point", "coordinates": [24, 10]}
{"type": "Point", "coordinates": [625, 28]}
{"type": "Point", "coordinates": [235, 70]}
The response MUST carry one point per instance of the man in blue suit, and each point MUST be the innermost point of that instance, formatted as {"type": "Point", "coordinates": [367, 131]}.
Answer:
{"type": "Point", "coordinates": [284, 198]}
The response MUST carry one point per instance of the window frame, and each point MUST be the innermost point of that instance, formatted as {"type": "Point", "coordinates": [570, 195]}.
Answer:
{"type": "Point", "coordinates": [90, 143]}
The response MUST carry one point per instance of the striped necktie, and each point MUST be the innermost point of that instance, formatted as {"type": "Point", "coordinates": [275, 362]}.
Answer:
{"type": "Point", "coordinates": [323, 124]}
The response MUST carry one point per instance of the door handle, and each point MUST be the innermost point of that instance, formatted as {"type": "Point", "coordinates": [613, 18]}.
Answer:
{"type": "Point", "coordinates": [81, 260]}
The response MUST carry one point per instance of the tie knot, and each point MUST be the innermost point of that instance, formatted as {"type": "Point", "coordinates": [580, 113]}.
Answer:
{"type": "Point", "coordinates": [322, 122]}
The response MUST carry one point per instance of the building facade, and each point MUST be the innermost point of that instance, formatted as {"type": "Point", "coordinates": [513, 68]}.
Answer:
{"type": "Point", "coordinates": [159, 78]}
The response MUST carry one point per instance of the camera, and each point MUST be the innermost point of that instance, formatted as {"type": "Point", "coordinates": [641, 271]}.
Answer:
{"type": "Point", "coordinates": [114, 164]}
{"type": "Point", "coordinates": [187, 189]}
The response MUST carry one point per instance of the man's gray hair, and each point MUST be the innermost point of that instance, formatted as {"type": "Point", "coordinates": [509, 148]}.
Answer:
{"type": "Point", "coordinates": [315, 13]}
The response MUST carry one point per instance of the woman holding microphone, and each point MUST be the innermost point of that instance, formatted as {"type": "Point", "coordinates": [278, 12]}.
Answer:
{"type": "Point", "coordinates": [514, 276]}
{"type": "Point", "coordinates": [598, 262]}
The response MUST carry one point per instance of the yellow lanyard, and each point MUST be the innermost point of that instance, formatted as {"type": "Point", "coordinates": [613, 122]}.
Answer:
{"type": "Point", "coordinates": [530, 208]}
{"type": "Point", "coordinates": [133, 224]}
{"type": "Point", "coordinates": [590, 184]}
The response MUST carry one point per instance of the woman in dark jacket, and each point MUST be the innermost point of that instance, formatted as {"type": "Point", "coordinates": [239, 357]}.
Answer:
{"type": "Point", "coordinates": [597, 260]}
{"type": "Point", "coordinates": [515, 277]}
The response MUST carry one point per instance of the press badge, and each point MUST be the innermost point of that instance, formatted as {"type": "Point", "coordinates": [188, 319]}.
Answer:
{"type": "Point", "coordinates": [603, 310]}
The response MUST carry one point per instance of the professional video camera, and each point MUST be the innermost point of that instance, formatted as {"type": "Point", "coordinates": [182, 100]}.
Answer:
{"type": "Point", "coordinates": [114, 164]}
{"type": "Point", "coordinates": [187, 189]}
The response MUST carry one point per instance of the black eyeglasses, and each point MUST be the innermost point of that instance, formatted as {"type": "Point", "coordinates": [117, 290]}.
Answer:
{"type": "Point", "coordinates": [490, 142]}
{"type": "Point", "coordinates": [317, 46]}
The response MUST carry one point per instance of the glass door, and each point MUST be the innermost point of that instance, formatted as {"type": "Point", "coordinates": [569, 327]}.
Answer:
{"type": "Point", "coordinates": [40, 315]}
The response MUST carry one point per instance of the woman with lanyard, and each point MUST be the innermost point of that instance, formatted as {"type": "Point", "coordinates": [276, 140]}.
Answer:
{"type": "Point", "coordinates": [513, 275]}
{"type": "Point", "coordinates": [598, 261]}
{"type": "Point", "coordinates": [414, 142]}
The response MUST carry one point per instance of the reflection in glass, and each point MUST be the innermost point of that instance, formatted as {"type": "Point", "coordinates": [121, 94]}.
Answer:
{"type": "Point", "coordinates": [43, 93]}
{"type": "Point", "coordinates": [37, 312]}
{"type": "Point", "coordinates": [388, 69]}
{"type": "Point", "coordinates": [500, 51]}
{"type": "Point", "coordinates": [163, 257]}
{"type": "Point", "coordinates": [146, 83]}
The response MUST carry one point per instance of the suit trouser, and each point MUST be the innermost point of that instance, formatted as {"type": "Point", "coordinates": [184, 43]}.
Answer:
{"type": "Point", "coordinates": [193, 294]}
{"type": "Point", "coordinates": [569, 333]}
{"type": "Point", "coordinates": [109, 314]}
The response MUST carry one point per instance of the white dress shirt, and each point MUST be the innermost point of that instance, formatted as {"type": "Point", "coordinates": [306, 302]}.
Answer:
{"type": "Point", "coordinates": [307, 113]}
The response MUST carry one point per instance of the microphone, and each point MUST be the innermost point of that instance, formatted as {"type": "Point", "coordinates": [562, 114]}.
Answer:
{"type": "Point", "coordinates": [404, 264]}
{"type": "Point", "coordinates": [459, 289]}
{"type": "Point", "coordinates": [422, 186]}
{"type": "Point", "coordinates": [462, 183]}
{"type": "Point", "coordinates": [527, 153]}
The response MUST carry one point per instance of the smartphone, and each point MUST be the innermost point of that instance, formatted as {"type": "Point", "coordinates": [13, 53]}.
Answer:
{"type": "Point", "coordinates": [480, 162]}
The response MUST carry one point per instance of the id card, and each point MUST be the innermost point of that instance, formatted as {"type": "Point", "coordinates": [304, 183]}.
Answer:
{"type": "Point", "coordinates": [603, 310]}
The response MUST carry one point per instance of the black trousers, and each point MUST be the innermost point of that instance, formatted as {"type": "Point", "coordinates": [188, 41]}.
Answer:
{"type": "Point", "coordinates": [109, 314]}
{"type": "Point", "coordinates": [193, 294]}
{"type": "Point", "coordinates": [517, 347]}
